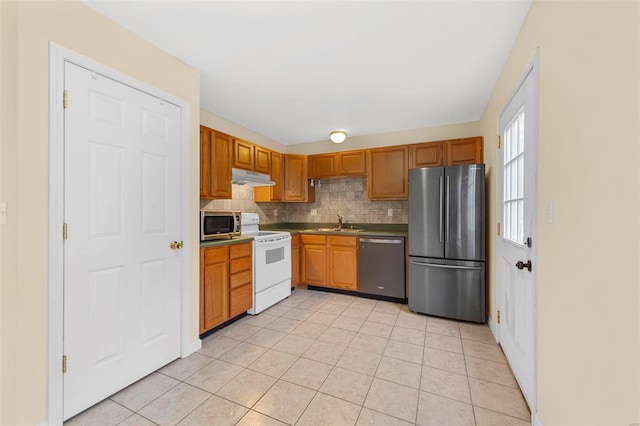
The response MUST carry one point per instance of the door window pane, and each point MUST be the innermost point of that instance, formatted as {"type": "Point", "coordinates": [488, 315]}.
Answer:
{"type": "Point", "coordinates": [513, 185]}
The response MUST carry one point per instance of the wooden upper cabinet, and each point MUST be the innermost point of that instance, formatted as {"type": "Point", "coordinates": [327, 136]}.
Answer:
{"type": "Point", "coordinates": [215, 164]}
{"type": "Point", "coordinates": [347, 163]}
{"type": "Point", "coordinates": [464, 151]}
{"type": "Point", "coordinates": [296, 180]}
{"type": "Point", "coordinates": [428, 154]}
{"type": "Point", "coordinates": [205, 162]}
{"type": "Point", "coordinates": [261, 159]}
{"type": "Point", "coordinates": [272, 193]}
{"type": "Point", "coordinates": [387, 173]}
{"type": "Point", "coordinates": [351, 163]}
{"type": "Point", "coordinates": [322, 166]}
{"type": "Point", "coordinates": [242, 154]}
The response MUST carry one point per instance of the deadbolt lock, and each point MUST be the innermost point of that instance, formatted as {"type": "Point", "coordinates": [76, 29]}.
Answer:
{"type": "Point", "coordinates": [175, 245]}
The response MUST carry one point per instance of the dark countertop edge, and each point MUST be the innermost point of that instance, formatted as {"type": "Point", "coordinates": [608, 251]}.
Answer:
{"type": "Point", "coordinates": [368, 233]}
{"type": "Point", "coordinates": [227, 241]}
{"type": "Point", "coordinates": [370, 229]}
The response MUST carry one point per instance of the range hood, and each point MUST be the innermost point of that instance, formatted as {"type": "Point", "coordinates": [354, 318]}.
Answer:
{"type": "Point", "coordinates": [245, 177]}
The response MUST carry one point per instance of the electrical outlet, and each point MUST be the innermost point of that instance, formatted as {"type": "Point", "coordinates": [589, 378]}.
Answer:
{"type": "Point", "coordinates": [390, 212]}
{"type": "Point", "coordinates": [314, 212]}
{"type": "Point", "coordinates": [275, 212]}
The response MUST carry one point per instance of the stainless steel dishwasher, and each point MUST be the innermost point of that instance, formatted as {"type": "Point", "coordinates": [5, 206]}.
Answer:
{"type": "Point", "coordinates": [381, 266]}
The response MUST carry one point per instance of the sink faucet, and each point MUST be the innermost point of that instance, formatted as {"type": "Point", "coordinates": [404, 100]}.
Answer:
{"type": "Point", "coordinates": [339, 222]}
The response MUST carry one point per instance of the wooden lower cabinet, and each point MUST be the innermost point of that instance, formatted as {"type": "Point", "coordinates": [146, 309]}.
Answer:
{"type": "Point", "coordinates": [342, 264]}
{"type": "Point", "coordinates": [295, 260]}
{"type": "Point", "coordinates": [314, 259]}
{"type": "Point", "coordinates": [226, 283]}
{"type": "Point", "coordinates": [214, 287]}
{"type": "Point", "coordinates": [330, 261]}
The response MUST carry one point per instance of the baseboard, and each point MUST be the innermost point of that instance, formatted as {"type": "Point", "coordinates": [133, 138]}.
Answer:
{"type": "Point", "coordinates": [494, 329]}
{"type": "Point", "coordinates": [535, 420]}
{"type": "Point", "coordinates": [190, 348]}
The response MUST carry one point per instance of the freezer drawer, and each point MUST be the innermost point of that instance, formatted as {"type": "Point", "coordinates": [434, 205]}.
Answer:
{"type": "Point", "coordinates": [450, 289]}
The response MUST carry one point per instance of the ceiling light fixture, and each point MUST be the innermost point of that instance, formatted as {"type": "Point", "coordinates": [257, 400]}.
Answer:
{"type": "Point", "coordinates": [338, 136]}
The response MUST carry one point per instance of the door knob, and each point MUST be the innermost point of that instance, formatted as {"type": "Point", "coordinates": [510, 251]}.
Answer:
{"type": "Point", "coordinates": [176, 245]}
{"type": "Point", "coordinates": [521, 265]}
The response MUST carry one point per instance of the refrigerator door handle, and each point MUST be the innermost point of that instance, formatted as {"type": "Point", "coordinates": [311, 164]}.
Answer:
{"type": "Point", "coordinates": [447, 209]}
{"type": "Point", "coordinates": [441, 205]}
{"type": "Point", "coordinates": [434, 265]}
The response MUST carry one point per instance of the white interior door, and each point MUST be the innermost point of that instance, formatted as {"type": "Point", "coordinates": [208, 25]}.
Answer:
{"type": "Point", "coordinates": [122, 206]}
{"type": "Point", "coordinates": [517, 242]}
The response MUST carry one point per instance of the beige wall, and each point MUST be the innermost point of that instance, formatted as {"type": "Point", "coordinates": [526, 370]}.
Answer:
{"type": "Point", "coordinates": [426, 134]}
{"type": "Point", "coordinates": [27, 29]}
{"type": "Point", "coordinates": [216, 122]}
{"type": "Point", "coordinates": [588, 281]}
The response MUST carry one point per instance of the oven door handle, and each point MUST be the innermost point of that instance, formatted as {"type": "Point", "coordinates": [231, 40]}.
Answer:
{"type": "Point", "coordinates": [272, 241]}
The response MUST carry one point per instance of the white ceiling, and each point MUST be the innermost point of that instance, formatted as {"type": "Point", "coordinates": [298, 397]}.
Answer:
{"type": "Point", "coordinates": [293, 70]}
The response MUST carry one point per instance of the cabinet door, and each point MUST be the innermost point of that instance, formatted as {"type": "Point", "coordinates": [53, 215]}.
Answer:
{"type": "Point", "coordinates": [351, 163]}
{"type": "Point", "coordinates": [322, 166]}
{"type": "Point", "coordinates": [464, 151]}
{"type": "Point", "coordinates": [242, 154]}
{"type": "Point", "coordinates": [214, 289]}
{"type": "Point", "coordinates": [314, 264]}
{"type": "Point", "coordinates": [221, 166]}
{"type": "Point", "coordinates": [295, 259]}
{"type": "Point", "coordinates": [296, 186]}
{"type": "Point", "coordinates": [387, 173]}
{"type": "Point", "coordinates": [295, 264]}
{"type": "Point", "coordinates": [261, 160]}
{"type": "Point", "coordinates": [271, 193]}
{"type": "Point", "coordinates": [276, 176]}
{"type": "Point", "coordinates": [343, 267]}
{"type": "Point", "coordinates": [428, 154]}
{"type": "Point", "coordinates": [205, 162]}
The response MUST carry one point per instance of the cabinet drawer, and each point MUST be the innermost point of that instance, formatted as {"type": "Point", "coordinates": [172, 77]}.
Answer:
{"type": "Point", "coordinates": [342, 241]}
{"type": "Point", "coordinates": [313, 239]}
{"type": "Point", "coordinates": [240, 264]}
{"type": "Point", "coordinates": [215, 254]}
{"type": "Point", "coordinates": [239, 250]}
{"type": "Point", "coordinates": [240, 300]}
{"type": "Point", "coordinates": [241, 278]}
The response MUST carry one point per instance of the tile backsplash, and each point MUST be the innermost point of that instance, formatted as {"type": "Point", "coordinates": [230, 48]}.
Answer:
{"type": "Point", "coordinates": [341, 196]}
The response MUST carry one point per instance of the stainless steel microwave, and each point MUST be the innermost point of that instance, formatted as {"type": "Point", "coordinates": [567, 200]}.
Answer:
{"type": "Point", "coordinates": [219, 225]}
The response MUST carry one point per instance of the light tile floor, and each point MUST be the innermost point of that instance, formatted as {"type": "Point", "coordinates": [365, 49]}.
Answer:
{"type": "Point", "coordinates": [319, 358]}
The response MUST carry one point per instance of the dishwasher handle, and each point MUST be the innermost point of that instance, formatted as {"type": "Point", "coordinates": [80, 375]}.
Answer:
{"type": "Point", "coordinates": [382, 240]}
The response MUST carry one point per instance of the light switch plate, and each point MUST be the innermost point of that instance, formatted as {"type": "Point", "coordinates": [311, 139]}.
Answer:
{"type": "Point", "coordinates": [390, 212]}
{"type": "Point", "coordinates": [314, 212]}
{"type": "Point", "coordinates": [549, 212]}
{"type": "Point", "coordinates": [3, 213]}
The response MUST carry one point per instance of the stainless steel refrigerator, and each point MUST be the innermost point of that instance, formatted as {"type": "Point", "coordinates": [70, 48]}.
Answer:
{"type": "Point", "coordinates": [447, 241]}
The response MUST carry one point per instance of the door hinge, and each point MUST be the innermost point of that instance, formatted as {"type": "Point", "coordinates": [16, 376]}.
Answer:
{"type": "Point", "coordinates": [498, 141]}
{"type": "Point", "coordinates": [65, 99]}
{"type": "Point", "coordinates": [498, 317]}
{"type": "Point", "coordinates": [64, 364]}
{"type": "Point", "coordinates": [64, 231]}
{"type": "Point", "coordinates": [498, 229]}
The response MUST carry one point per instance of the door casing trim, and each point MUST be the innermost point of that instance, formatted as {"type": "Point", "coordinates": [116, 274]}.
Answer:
{"type": "Point", "coordinates": [58, 55]}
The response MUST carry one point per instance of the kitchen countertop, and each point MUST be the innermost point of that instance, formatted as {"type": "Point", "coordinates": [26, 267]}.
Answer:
{"type": "Point", "coordinates": [368, 229]}
{"type": "Point", "coordinates": [214, 243]}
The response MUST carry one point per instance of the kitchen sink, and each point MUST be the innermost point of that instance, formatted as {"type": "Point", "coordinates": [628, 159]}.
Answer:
{"type": "Point", "coordinates": [336, 229]}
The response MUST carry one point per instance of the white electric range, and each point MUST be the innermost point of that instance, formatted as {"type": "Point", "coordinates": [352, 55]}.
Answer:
{"type": "Point", "coordinates": [271, 263]}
